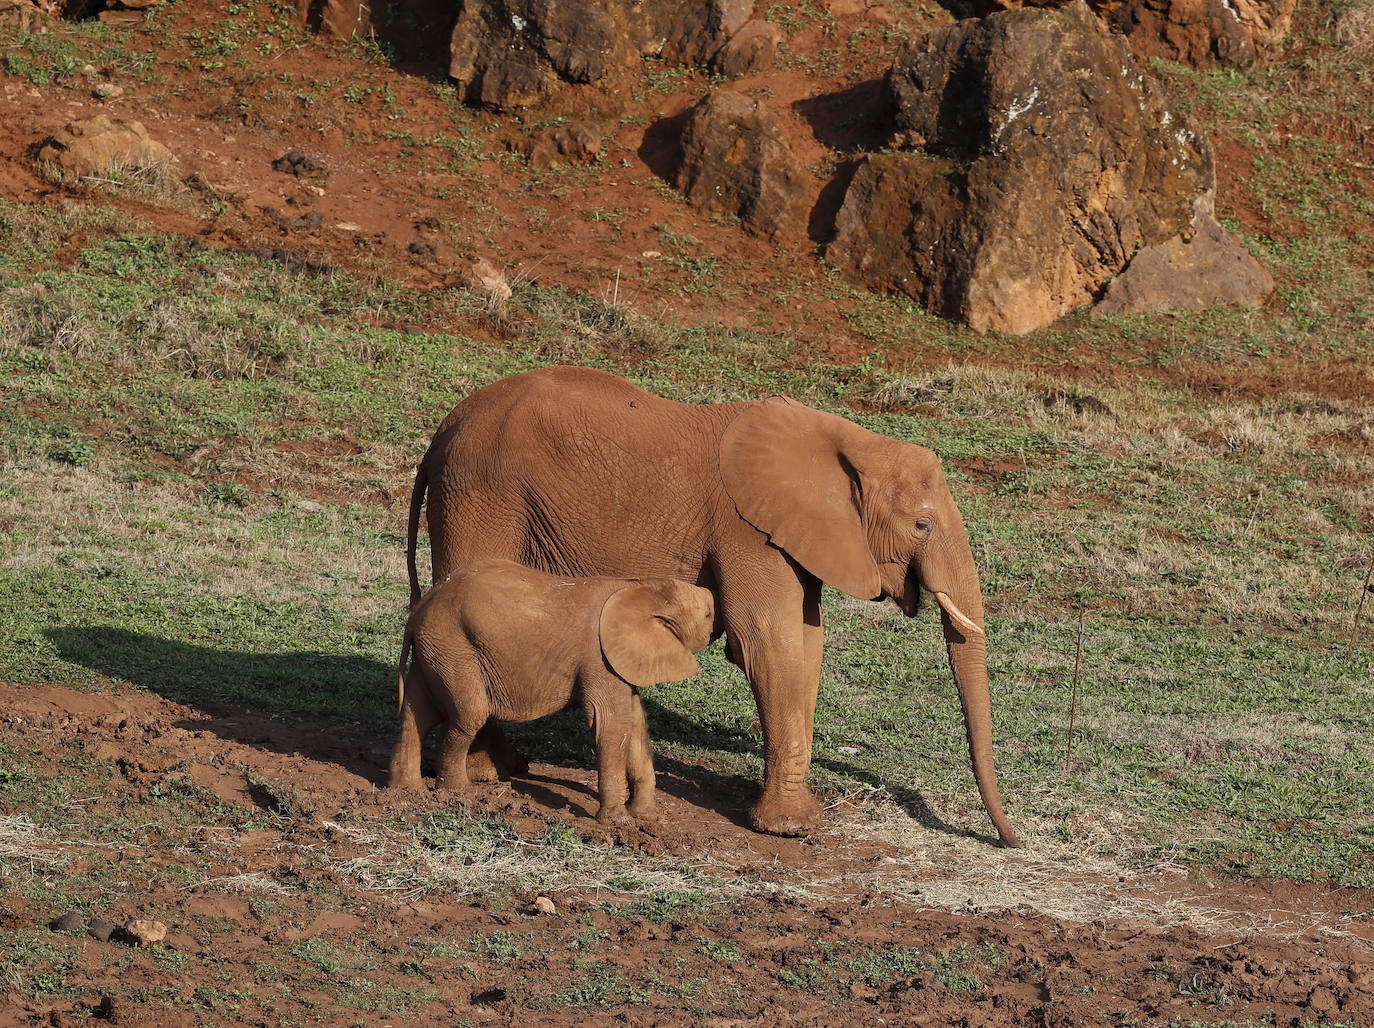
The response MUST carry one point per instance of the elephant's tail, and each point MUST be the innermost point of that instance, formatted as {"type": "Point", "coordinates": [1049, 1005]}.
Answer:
{"type": "Point", "coordinates": [417, 500]}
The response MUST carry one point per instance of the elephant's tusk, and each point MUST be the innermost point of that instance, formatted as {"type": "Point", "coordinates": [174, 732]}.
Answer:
{"type": "Point", "coordinates": [956, 615]}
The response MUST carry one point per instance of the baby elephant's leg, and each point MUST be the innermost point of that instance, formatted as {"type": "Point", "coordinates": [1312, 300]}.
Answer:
{"type": "Point", "coordinates": [643, 802]}
{"type": "Point", "coordinates": [418, 716]}
{"type": "Point", "coordinates": [610, 714]}
{"type": "Point", "coordinates": [467, 707]}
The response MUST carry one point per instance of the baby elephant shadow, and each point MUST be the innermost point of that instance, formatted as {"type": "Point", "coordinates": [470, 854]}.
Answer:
{"type": "Point", "coordinates": [296, 703]}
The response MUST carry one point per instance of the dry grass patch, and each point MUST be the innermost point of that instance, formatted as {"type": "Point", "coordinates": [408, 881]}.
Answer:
{"type": "Point", "coordinates": [1354, 30]}
{"type": "Point", "coordinates": [474, 855]}
{"type": "Point", "coordinates": [65, 516]}
{"type": "Point", "coordinates": [1073, 880]}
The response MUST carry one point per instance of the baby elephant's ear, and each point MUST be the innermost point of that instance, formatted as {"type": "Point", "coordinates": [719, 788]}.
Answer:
{"type": "Point", "coordinates": [640, 638]}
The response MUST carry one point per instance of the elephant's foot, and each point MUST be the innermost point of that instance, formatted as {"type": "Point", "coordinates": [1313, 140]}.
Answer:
{"type": "Point", "coordinates": [644, 811]}
{"type": "Point", "coordinates": [796, 814]}
{"type": "Point", "coordinates": [449, 791]}
{"type": "Point", "coordinates": [613, 815]}
{"type": "Point", "coordinates": [405, 783]}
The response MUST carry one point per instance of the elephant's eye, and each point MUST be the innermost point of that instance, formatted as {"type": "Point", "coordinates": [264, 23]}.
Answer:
{"type": "Point", "coordinates": [925, 526]}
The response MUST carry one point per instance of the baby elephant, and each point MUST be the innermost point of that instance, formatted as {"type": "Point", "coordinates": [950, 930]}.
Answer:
{"type": "Point", "coordinates": [502, 641]}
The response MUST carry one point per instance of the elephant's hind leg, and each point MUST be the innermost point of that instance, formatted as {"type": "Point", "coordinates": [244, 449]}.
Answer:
{"type": "Point", "coordinates": [418, 717]}
{"type": "Point", "coordinates": [492, 757]}
{"type": "Point", "coordinates": [467, 708]}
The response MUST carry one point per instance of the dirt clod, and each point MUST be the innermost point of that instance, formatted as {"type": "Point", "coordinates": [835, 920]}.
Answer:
{"type": "Point", "coordinates": [544, 905]}
{"type": "Point", "coordinates": [298, 163]}
{"type": "Point", "coordinates": [145, 932]}
{"type": "Point", "coordinates": [71, 921]}
{"type": "Point", "coordinates": [100, 146]}
{"type": "Point", "coordinates": [100, 929]}
{"type": "Point", "coordinates": [487, 278]}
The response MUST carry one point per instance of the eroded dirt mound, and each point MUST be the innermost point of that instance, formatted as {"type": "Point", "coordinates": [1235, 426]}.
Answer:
{"type": "Point", "coordinates": [289, 886]}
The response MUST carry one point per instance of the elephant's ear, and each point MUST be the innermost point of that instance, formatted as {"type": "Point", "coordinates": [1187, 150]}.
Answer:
{"type": "Point", "coordinates": [792, 474]}
{"type": "Point", "coordinates": [639, 639]}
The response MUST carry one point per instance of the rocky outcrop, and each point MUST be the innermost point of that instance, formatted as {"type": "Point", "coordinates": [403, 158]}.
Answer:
{"type": "Point", "coordinates": [22, 17]}
{"type": "Point", "coordinates": [515, 53]}
{"type": "Point", "coordinates": [99, 146]}
{"type": "Point", "coordinates": [1034, 159]}
{"type": "Point", "coordinates": [1192, 32]}
{"type": "Point", "coordinates": [736, 160]}
{"type": "Point", "coordinates": [1204, 269]}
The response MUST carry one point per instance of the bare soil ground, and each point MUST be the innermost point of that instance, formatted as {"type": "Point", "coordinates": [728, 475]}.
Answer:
{"type": "Point", "coordinates": [804, 932]}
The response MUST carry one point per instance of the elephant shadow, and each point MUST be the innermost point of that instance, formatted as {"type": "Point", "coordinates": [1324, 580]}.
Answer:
{"type": "Point", "coordinates": [320, 706]}
{"type": "Point", "coordinates": [665, 723]}
{"type": "Point", "coordinates": [341, 710]}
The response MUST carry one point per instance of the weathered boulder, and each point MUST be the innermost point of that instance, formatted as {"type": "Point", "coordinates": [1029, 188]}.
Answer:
{"type": "Point", "coordinates": [751, 49]}
{"type": "Point", "coordinates": [1237, 32]}
{"type": "Point", "coordinates": [1209, 267]}
{"type": "Point", "coordinates": [23, 17]}
{"type": "Point", "coordinates": [736, 160]}
{"type": "Point", "coordinates": [693, 31]}
{"type": "Point", "coordinates": [1192, 32]}
{"type": "Point", "coordinates": [1035, 159]}
{"type": "Point", "coordinates": [572, 142]}
{"type": "Point", "coordinates": [100, 145]}
{"type": "Point", "coordinates": [515, 53]}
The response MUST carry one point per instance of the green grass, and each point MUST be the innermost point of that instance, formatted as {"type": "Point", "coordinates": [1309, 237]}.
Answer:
{"type": "Point", "coordinates": [198, 450]}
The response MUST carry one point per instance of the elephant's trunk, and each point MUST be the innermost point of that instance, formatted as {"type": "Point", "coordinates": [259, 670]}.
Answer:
{"type": "Point", "coordinates": [961, 614]}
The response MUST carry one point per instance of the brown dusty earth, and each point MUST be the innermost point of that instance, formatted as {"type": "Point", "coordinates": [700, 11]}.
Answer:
{"type": "Point", "coordinates": [814, 939]}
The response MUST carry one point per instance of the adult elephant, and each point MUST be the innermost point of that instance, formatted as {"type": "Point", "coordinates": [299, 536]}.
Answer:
{"type": "Point", "coordinates": [575, 471]}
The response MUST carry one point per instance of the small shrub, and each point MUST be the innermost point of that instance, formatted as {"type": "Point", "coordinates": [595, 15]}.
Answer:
{"type": "Point", "coordinates": [79, 453]}
{"type": "Point", "coordinates": [226, 494]}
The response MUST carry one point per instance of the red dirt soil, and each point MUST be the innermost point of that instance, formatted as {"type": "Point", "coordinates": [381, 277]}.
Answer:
{"type": "Point", "coordinates": [793, 961]}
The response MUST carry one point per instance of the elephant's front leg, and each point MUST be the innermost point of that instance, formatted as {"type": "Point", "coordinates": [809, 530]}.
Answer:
{"type": "Point", "coordinates": [643, 782]}
{"type": "Point", "coordinates": [610, 713]}
{"type": "Point", "coordinates": [780, 653]}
